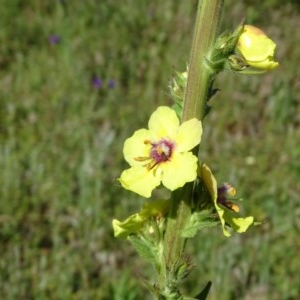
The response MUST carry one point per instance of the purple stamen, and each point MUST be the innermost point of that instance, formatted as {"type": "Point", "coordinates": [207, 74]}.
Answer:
{"type": "Point", "coordinates": [162, 151]}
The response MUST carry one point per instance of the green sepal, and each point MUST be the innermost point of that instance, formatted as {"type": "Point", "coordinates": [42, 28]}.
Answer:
{"type": "Point", "coordinates": [237, 63]}
{"type": "Point", "coordinates": [198, 221]}
{"type": "Point", "coordinates": [224, 48]}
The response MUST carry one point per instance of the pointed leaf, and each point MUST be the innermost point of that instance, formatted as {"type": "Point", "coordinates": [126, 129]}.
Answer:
{"type": "Point", "coordinates": [198, 221]}
{"type": "Point", "coordinates": [143, 248]}
{"type": "Point", "coordinates": [203, 294]}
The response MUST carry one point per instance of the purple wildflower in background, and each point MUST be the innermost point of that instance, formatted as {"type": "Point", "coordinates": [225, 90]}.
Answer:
{"type": "Point", "coordinates": [96, 82]}
{"type": "Point", "coordinates": [111, 84]}
{"type": "Point", "coordinates": [54, 39]}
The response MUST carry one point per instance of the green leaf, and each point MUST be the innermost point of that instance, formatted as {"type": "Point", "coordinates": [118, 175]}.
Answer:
{"type": "Point", "coordinates": [153, 288]}
{"type": "Point", "coordinates": [144, 248]}
{"type": "Point", "coordinates": [198, 221]}
{"type": "Point", "coordinates": [203, 294]}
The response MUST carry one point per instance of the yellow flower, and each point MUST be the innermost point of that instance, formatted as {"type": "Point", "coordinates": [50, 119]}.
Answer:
{"type": "Point", "coordinates": [161, 154]}
{"type": "Point", "coordinates": [257, 48]}
{"type": "Point", "coordinates": [135, 223]}
{"type": "Point", "coordinates": [226, 209]}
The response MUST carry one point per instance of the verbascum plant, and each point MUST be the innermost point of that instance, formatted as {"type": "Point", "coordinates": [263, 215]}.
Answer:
{"type": "Point", "coordinates": [167, 155]}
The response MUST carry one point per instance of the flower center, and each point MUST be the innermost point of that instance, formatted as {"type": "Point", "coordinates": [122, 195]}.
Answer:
{"type": "Point", "coordinates": [159, 152]}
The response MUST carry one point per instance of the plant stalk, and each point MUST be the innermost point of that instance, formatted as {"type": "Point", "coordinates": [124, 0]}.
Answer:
{"type": "Point", "coordinates": [200, 74]}
{"type": "Point", "coordinates": [198, 84]}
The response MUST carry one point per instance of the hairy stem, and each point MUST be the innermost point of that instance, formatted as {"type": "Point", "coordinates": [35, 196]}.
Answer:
{"type": "Point", "coordinates": [200, 74]}
{"type": "Point", "coordinates": [199, 80]}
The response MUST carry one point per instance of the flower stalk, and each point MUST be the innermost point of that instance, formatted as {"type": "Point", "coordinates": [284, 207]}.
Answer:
{"type": "Point", "coordinates": [166, 155]}
{"type": "Point", "coordinates": [200, 73]}
{"type": "Point", "coordinates": [199, 80]}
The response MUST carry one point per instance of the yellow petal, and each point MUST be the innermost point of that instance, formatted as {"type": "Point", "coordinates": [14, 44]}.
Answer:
{"type": "Point", "coordinates": [189, 135]}
{"type": "Point", "coordinates": [182, 168]}
{"type": "Point", "coordinates": [130, 225]}
{"type": "Point", "coordinates": [164, 122]}
{"type": "Point", "coordinates": [220, 212]}
{"type": "Point", "coordinates": [268, 64]}
{"type": "Point", "coordinates": [258, 49]}
{"type": "Point", "coordinates": [210, 182]}
{"type": "Point", "coordinates": [239, 224]}
{"type": "Point", "coordinates": [140, 180]}
{"type": "Point", "coordinates": [135, 147]}
{"type": "Point", "coordinates": [242, 224]}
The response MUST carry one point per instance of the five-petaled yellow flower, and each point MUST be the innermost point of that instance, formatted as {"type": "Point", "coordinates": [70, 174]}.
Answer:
{"type": "Point", "coordinates": [257, 48]}
{"type": "Point", "coordinates": [161, 154]}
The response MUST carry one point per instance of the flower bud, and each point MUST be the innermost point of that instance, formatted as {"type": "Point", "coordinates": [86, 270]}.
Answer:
{"type": "Point", "coordinates": [257, 48]}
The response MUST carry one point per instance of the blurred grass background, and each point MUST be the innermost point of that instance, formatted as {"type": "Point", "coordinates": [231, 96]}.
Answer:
{"type": "Point", "coordinates": [77, 78]}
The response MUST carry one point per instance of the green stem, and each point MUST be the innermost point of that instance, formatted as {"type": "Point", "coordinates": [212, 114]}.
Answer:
{"type": "Point", "coordinates": [200, 75]}
{"type": "Point", "coordinates": [199, 80]}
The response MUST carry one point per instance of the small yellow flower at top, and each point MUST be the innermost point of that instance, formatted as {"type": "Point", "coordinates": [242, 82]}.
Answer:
{"type": "Point", "coordinates": [161, 154]}
{"type": "Point", "coordinates": [257, 48]}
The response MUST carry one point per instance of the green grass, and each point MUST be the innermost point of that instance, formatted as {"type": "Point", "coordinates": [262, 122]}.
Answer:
{"type": "Point", "coordinates": [61, 148]}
